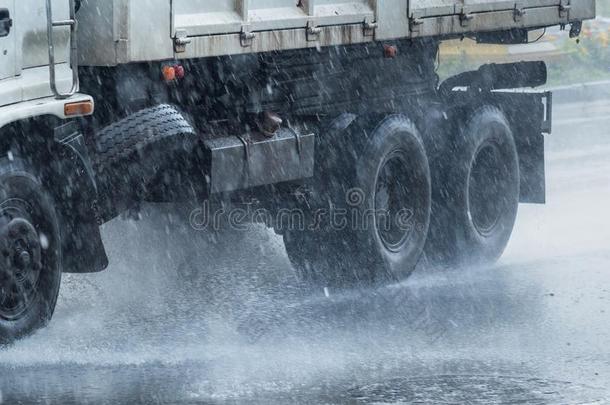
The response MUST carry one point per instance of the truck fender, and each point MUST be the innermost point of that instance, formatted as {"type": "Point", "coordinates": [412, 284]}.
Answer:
{"type": "Point", "coordinates": [73, 185]}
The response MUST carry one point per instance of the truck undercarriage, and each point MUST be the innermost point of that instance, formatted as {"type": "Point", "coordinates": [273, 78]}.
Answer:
{"type": "Point", "coordinates": [272, 128]}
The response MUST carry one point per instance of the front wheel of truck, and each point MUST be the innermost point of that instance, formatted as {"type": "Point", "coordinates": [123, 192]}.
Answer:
{"type": "Point", "coordinates": [30, 258]}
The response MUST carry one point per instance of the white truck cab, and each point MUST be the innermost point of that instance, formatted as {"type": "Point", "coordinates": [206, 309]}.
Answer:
{"type": "Point", "coordinates": [26, 85]}
{"type": "Point", "coordinates": [41, 154]}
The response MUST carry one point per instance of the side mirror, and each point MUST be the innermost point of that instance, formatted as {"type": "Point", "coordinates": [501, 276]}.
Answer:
{"type": "Point", "coordinates": [6, 22]}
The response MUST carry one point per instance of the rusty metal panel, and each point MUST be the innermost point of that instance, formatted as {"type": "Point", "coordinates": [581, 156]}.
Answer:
{"type": "Point", "coordinates": [446, 17]}
{"type": "Point", "coordinates": [203, 17]}
{"type": "Point", "coordinates": [124, 31]}
{"type": "Point", "coordinates": [465, 21]}
{"type": "Point", "coordinates": [266, 41]}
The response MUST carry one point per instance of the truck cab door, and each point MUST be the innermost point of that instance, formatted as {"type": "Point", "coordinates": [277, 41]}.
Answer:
{"type": "Point", "coordinates": [7, 39]}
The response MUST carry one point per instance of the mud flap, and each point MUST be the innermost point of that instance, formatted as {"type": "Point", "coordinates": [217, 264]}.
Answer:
{"type": "Point", "coordinates": [76, 195]}
{"type": "Point", "coordinates": [530, 117]}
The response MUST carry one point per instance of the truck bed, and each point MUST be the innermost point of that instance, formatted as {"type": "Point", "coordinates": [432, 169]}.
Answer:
{"type": "Point", "coordinates": [115, 32]}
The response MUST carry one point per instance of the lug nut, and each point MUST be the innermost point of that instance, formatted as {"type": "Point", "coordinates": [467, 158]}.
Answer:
{"type": "Point", "coordinates": [23, 260]}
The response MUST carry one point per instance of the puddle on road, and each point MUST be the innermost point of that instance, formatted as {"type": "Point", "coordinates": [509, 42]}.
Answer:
{"type": "Point", "coordinates": [137, 334]}
{"type": "Point", "coordinates": [477, 389]}
{"type": "Point", "coordinates": [192, 384]}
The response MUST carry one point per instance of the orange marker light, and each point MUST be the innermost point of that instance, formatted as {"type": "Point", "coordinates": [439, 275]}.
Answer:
{"type": "Point", "coordinates": [169, 73]}
{"type": "Point", "coordinates": [78, 109]}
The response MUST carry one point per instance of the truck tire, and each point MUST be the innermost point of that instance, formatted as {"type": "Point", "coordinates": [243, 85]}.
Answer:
{"type": "Point", "coordinates": [137, 131]}
{"type": "Point", "coordinates": [30, 263]}
{"type": "Point", "coordinates": [132, 153]}
{"type": "Point", "coordinates": [476, 194]}
{"type": "Point", "coordinates": [315, 258]}
{"type": "Point", "coordinates": [381, 181]}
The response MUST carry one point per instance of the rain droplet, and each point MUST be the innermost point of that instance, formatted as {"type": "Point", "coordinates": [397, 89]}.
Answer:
{"type": "Point", "coordinates": [44, 241]}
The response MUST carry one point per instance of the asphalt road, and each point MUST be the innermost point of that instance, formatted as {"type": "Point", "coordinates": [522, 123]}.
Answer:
{"type": "Point", "coordinates": [533, 329]}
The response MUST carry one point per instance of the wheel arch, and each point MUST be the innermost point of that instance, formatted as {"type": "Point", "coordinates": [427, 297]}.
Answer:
{"type": "Point", "coordinates": [56, 150]}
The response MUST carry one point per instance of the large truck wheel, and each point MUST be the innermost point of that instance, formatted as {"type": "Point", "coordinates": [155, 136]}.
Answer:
{"type": "Point", "coordinates": [315, 257]}
{"type": "Point", "coordinates": [477, 194]}
{"type": "Point", "coordinates": [143, 157]}
{"type": "Point", "coordinates": [30, 262]}
{"type": "Point", "coordinates": [380, 196]}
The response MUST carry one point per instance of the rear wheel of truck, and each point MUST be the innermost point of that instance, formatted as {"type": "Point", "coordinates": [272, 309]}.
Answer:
{"type": "Point", "coordinates": [476, 194]}
{"type": "Point", "coordinates": [30, 258]}
{"type": "Point", "coordinates": [378, 188]}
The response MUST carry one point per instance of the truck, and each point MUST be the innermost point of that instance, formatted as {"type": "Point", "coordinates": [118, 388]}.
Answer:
{"type": "Point", "coordinates": [324, 119]}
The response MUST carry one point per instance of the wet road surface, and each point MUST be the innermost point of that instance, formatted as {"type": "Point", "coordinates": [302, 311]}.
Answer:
{"type": "Point", "coordinates": [533, 329]}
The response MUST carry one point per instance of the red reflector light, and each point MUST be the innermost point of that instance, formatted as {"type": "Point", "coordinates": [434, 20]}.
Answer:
{"type": "Point", "coordinates": [179, 70]}
{"type": "Point", "coordinates": [390, 51]}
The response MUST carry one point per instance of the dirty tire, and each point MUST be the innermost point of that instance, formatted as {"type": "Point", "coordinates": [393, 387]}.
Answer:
{"type": "Point", "coordinates": [315, 257]}
{"type": "Point", "coordinates": [137, 153]}
{"type": "Point", "coordinates": [30, 260]}
{"type": "Point", "coordinates": [476, 196]}
{"type": "Point", "coordinates": [124, 138]}
{"type": "Point", "coordinates": [381, 180]}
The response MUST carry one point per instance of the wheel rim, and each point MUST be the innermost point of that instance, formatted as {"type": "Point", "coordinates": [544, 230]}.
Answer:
{"type": "Point", "coordinates": [21, 254]}
{"type": "Point", "coordinates": [487, 188]}
{"type": "Point", "coordinates": [395, 200]}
